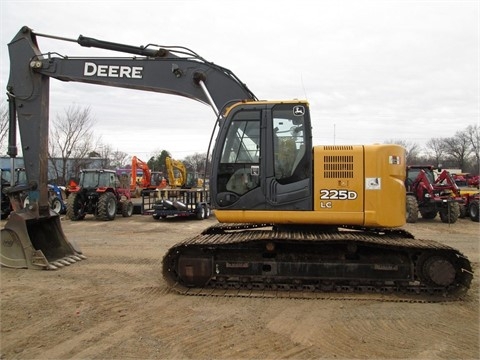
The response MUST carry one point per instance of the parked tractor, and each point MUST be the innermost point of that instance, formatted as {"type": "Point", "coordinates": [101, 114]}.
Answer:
{"type": "Point", "coordinates": [57, 197]}
{"type": "Point", "coordinates": [100, 193]}
{"type": "Point", "coordinates": [430, 196]}
{"type": "Point", "coordinates": [56, 194]}
{"type": "Point", "coordinates": [474, 207]}
{"type": "Point", "coordinates": [470, 207]}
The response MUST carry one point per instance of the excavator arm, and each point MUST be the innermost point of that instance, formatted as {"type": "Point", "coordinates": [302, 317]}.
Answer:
{"type": "Point", "coordinates": [146, 178]}
{"type": "Point", "coordinates": [176, 71]}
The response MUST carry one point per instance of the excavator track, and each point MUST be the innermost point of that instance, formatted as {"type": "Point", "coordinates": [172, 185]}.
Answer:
{"type": "Point", "coordinates": [263, 261]}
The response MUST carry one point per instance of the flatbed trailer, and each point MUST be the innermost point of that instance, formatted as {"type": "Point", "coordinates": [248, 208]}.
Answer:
{"type": "Point", "coordinates": [163, 203]}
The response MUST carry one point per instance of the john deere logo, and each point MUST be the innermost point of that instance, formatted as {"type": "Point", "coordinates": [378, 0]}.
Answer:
{"type": "Point", "coordinates": [299, 110]}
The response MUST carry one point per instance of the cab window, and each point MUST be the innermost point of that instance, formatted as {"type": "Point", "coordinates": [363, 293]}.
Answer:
{"type": "Point", "coordinates": [288, 146]}
{"type": "Point", "coordinates": [239, 166]}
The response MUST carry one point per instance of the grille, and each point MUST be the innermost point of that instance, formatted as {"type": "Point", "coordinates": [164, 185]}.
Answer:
{"type": "Point", "coordinates": [338, 166]}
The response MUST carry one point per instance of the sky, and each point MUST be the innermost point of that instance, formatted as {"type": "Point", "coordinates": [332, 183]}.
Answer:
{"type": "Point", "coordinates": [372, 71]}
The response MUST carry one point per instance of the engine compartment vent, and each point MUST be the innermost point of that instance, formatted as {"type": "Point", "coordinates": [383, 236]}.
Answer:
{"type": "Point", "coordinates": [338, 166]}
{"type": "Point", "coordinates": [338, 147]}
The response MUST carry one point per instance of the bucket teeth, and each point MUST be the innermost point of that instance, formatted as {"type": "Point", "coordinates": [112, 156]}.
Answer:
{"type": "Point", "coordinates": [66, 261]}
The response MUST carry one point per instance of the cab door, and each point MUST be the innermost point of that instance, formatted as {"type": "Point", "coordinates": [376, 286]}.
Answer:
{"type": "Point", "coordinates": [288, 172]}
{"type": "Point", "coordinates": [263, 158]}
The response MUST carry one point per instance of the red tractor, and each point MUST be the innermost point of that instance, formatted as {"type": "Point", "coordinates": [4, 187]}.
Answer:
{"type": "Point", "coordinates": [431, 195]}
{"type": "Point", "coordinates": [474, 207]}
{"type": "Point", "coordinates": [99, 193]}
{"type": "Point", "coordinates": [471, 206]}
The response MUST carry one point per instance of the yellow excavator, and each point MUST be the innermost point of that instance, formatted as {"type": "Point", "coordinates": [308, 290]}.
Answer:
{"type": "Point", "coordinates": [176, 171]}
{"type": "Point", "coordinates": [179, 177]}
{"type": "Point", "coordinates": [292, 216]}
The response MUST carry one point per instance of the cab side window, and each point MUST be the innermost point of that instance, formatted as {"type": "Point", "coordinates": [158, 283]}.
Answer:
{"type": "Point", "coordinates": [288, 147]}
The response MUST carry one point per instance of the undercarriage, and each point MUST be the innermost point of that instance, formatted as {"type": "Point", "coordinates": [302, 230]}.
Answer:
{"type": "Point", "coordinates": [265, 260]}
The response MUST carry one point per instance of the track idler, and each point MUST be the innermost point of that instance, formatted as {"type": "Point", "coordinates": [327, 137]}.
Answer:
{"type": "Point", "coordinates": [443, 269]}
{"type": "Point", "coordinates": [36, 242]}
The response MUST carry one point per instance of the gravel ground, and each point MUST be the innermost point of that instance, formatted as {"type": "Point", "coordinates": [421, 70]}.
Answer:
{"type": "Point", "coordinates": [115, 305]}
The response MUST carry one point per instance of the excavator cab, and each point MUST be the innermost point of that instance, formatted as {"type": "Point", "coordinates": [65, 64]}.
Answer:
{"type": "Point", "coordinates": [263, 163]}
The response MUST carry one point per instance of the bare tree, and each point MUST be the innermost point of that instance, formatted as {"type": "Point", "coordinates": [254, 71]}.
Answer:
{"type": "Point", "coordinates": [473, 135]}
{"type": "Point", "coordinates": [458, 149]}
{"type": "Point", "coordinates": [412, 149]}
{"type": "Point", "coordinates": [119, 159]}
{"type": "Point", "coordinates": [71, 136]}
{"type": "Point", "coordinates": [3, 128]}
{"type": "Point", "coordinates": [196, 163]}
{"type": "Point", "coordinates": [109, 158]}
{"type": "Point", "coordinates": [436, 149]}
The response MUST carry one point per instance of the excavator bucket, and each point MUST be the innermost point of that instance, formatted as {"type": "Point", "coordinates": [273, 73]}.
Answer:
{"type": "Point", "coordinates": [34, 242]}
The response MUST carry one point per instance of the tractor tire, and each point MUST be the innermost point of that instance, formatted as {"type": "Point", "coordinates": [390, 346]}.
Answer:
{"type": "Point", "coordinates": [463, 211]}
{"type": "Point", "coordinates": [75, 207]}
{"type": "Point", "coordinates": [106, 207]}
{"type": "Point", "coordinates": [56, 205]}
{"type": "Point", "coordinates": [127, 208]}
{"type": "Point", "coordinates": [473, 210]}
{"type": "Point", "coordinates": [412, 209]}
{"type": "Point", "coordinates": [451, 213]}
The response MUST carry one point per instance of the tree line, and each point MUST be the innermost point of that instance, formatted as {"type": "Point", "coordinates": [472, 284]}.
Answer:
{"type": "Point", "coordinates": [72, 140]}
{"type": "Point", "coordinates": [73, 146]}
{"type": "Point", "coordinates": [459, 151]}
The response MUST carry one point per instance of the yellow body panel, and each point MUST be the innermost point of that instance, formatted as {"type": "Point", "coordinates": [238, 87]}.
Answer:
{"type": "Point", "coordinates": [360, 185]}
{"type": "Point", "coordinates": [286, 217]}
{"type": "Point", "coordinates": [366, 179]}
{"type": "Point", "coordinates": [385, 206]}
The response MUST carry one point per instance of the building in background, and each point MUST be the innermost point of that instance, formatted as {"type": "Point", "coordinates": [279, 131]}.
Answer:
{"type": "Point", "coordinates": [55, 167]}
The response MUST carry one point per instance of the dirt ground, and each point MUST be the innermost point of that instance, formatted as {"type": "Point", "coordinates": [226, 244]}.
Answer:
{"type": "Point", "coordinates": [115, 305]}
